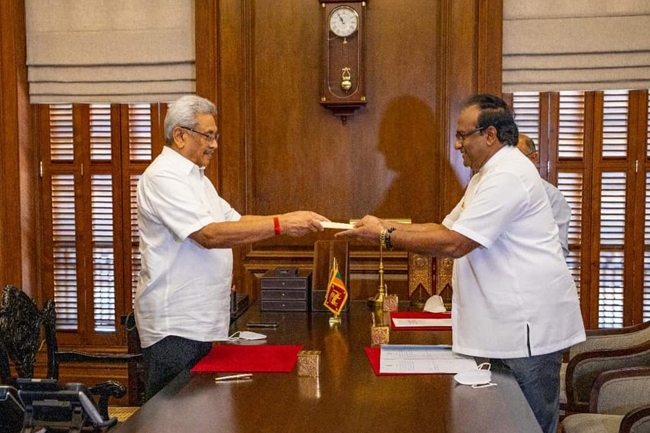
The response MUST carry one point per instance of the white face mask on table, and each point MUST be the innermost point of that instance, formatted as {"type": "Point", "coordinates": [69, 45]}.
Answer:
{"type": "Point", "coordinates": [479, 378]}
{"type": "Point", "coordinates": [246, 336]}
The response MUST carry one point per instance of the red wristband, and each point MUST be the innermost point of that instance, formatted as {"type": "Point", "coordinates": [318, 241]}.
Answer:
{"type": "Point", "coordinates": [276, 226]}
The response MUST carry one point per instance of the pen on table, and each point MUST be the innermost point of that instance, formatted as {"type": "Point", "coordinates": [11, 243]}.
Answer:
{"type": "Point", "coordinates": [262, 325]}
{"type": "Point", "coordinates": [233, 377]}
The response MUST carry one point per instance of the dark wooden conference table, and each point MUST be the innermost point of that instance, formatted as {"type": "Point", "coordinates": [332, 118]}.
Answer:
{"type": "Point", "coordinates": [347, 397]}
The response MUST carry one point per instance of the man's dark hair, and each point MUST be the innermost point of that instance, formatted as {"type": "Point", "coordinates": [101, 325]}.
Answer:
{"type": "Point", "coordinates": [495, 112]}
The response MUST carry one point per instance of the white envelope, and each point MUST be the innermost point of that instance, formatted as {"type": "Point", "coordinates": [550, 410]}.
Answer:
{"type": "Point", "coordinates": [336, 226]}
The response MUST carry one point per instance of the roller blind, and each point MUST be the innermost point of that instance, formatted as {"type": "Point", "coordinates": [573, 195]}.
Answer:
{"type": "Point", "coordinates": [552, 45]}
{"type": "Point", "coordinates": [109, 51]}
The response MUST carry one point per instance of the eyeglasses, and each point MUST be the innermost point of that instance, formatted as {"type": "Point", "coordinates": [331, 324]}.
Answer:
{"type": "Point", "coordinates": [530, 153]}
{"type": "Point", "coordinates": [461, 136]}
{"type": "Point", "coordinates": [209, 137]}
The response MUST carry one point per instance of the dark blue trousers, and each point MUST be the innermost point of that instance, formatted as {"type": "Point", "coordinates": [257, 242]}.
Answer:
{"type": "Point", "coordinates": [167, 358]}
{"type": "Point", "coordinates": [539, 379]}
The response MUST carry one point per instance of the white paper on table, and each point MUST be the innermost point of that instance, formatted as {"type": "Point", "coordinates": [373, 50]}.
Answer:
{"type": "Point", "coordinates": [421, 323]}
{"type": "Point", "coordinates": [337, 226]}
{"type": "Point", "coordinates": [423, 359]}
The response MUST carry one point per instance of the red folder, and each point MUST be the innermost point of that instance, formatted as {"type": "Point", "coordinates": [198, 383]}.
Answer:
{"type": "Point", "coordinates": [417, 315]}
{"type": "Point", "coordinates": [228, 358]}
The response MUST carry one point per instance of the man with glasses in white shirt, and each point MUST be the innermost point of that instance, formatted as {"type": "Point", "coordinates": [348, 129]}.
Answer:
{"type": "Point", "coordinates": [182, 303]}
{"type": "Point", "coordinates": [514, 300]}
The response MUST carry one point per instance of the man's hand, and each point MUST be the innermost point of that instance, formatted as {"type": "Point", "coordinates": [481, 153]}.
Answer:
{"type": "Point", "coordinates": [367, 229]}
{"type": "Point", "coordinates": [299, 223]}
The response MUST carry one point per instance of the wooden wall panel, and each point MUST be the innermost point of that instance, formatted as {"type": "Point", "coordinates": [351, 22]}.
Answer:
{"type": "Point", "coordinates": [281, 151]}
{"type": "Point", "coordinates": [304, 157]}
{"type": "Point", "coordinates": [18, 157]}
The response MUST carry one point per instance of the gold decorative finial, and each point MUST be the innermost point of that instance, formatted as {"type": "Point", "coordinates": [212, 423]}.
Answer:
{"type": "Point", "coordinates": [346, 83]}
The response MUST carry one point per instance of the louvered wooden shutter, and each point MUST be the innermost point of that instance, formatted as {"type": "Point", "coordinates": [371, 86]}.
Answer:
{"type": "Point", "coordinates": [64, 245]}
{"type": "Point", "coordinates": [93, 156]}
{"type": "Point", "coordinates": [62, 207]}
{"type": "Point", "coordinates": [611, 267]}
{"type": "Point", "coordinates": [571, 184]}
{"type": "Point", "coordinates": [143, 138]}
{"type": "Point", "coordinates": [615, 119]}
{"type": "Point", "coordinates": [100, 132]}
{"type": "Point", "coordinates": [570, 181]}
{"type": "Point", "coordinates": [571, 130]}
{"type": "Point", "coordinates": [140, 132]}
{"type": "Point", "coordinates": [526, 109]}
{"type": "Point", "coordinates": [140, 149]}
{"type": "Point", "coordinates": [134, 235]}
{"type": "Point", "coordinates": [598, 149]}
{"type": "Point", "coordinates": [102, 217]}
{"type": "Point", "coordinates": [613, 206]}
{"type": "Point", "coordinates": [646, 250]}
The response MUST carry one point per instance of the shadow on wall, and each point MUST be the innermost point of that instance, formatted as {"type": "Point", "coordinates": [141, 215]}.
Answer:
{"type": "Point", "coordinates": [412, 149]}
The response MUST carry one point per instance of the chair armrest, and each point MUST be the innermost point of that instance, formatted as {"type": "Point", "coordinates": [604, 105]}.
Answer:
{"type": "Point", "coordinates": [633, 417]}
{"type": "Point", "coordinates": [100, 358]}
{"type": "Point", "coordinates": [617, 392]}
{"type": "Point", "coordinates": [583, 370]}
{"type": "Point", "coordinates": [106, 390]}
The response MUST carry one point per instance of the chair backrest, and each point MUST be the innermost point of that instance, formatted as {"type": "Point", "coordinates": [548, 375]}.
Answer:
{"type": "Point", "coordinates": [613, 339]}
{"type": "Point", "coordinates": [20, 326]}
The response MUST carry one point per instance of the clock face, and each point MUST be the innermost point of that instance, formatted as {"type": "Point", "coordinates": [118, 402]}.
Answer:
{"type": "Point", "coordinates": [344, 21]}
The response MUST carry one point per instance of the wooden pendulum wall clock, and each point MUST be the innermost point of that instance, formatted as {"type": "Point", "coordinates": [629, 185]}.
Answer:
{"type": "Point", "coordinates": [343, 87]}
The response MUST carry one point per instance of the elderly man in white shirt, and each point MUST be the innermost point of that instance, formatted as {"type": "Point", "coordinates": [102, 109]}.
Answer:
{"type": "Point", "coordinates": [186, 235]}
{"type": "Point", "coordinates": [521, 320]}
{"type": "Point", "coordinates": [559, 206]}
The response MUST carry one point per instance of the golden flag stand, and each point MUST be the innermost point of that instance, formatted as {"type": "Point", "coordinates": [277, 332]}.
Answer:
{"type": "Point", "coordinates": [377, 301]}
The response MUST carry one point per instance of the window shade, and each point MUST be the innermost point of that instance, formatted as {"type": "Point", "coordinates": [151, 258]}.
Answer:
{"type": "Point", "coordinates": [109, 51]}
{"type": "Point", "coordinates": [551, 45]}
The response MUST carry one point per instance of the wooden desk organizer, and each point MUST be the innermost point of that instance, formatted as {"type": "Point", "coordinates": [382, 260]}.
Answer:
{"type": "Point", "coordinates": [309, 363]}
{"type": "Point", "coordinates": [390, 303]}
{"type": "Point", "coordinates": [379, 335]}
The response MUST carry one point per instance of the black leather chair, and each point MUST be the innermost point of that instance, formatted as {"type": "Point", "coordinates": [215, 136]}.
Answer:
{"type": "Point", "coordinates": [20, 327]}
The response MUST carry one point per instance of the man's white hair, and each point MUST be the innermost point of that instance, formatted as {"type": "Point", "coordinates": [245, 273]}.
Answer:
{"type": "Point", "coordinates": [183, 112]}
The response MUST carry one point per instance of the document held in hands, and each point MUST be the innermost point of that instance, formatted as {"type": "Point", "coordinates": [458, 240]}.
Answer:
{"type": "Point", "coordinates": [336, 226]}
{"type": "Point", "coordinates": [420, 359]}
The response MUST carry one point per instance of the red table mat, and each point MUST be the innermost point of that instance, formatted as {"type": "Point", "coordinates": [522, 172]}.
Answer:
{"type": "Point", "coordinates": [418, 315]}
{"type": "Point", "coordinates": [228, 358]}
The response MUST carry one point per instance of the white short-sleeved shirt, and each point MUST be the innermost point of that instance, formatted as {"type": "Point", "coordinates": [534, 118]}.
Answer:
{"type": "Point", "coordinates": [184, 289]}
{"type": "Point", "coordinates": [515, 288]}
{"type": "Point", "coordinates": [561, 214]}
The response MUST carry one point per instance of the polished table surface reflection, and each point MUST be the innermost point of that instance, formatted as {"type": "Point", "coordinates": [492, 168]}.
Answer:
{"type": "Point", "coordinates": [347, 397]}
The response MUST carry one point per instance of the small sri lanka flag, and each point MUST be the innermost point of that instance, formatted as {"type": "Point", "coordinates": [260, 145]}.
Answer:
{"type": "Point", "coordinates": [336, 293]}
